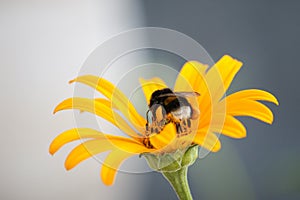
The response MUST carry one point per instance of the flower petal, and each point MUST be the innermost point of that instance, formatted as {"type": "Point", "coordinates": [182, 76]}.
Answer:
{"type": "Point", "coordinates": [86, 150]}
{"type": "Point", "coordinates": [126, 144]}
{"type": "Point", "coordinates": [151, 85]}
{"type": "Point", "coordinates": [118, 99]}
{"type": "Point", "coordinates": [192, 78]}
{"type": "Point", "coordinates": [93, 147]}
{"type": "Point", "coordinates": [220, 76]}
{"type": "Point", "coordinates": [252, 94]}
{"type": "Point", "coordinates": [208, 140]}
{"type": "Point", "coordinates": [164, 138]}
{"type": "Point", "coordinates": [100, 107]}
{"type": "Point", "coordinates": [251, 109]}
{"type": "Point", "coordinates": [193, 73]}
{"type": "Point", "coordinates": [111, 165]}
{"type": "Point", "coordinates": [231, 128]}
{"type": "Point", "coordinates": [72, 135]}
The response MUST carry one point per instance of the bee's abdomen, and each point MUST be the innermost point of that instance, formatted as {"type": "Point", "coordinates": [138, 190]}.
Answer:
{"type": "Point", "coordinates": [184, 112]}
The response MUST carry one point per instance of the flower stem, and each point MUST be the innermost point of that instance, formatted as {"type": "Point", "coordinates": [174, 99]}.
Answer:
{"type": "Point", "coordinates": [179, 182]}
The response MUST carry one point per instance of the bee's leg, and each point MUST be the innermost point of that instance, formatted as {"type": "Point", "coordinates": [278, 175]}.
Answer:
{"type": "Point", "coordinates": [159, 126]}
{"type": "Point", "coordinates": [178, 128]}
{"type": "Point", "coordinates": [161, 123]}
{"type": "Point", "coordinates": [157, 130]}
{"type": "Point", "coordinates": [147, 131]}
{"type": "Point", "coordinates": [151, 129]}
{"type": "Point", "coordinates": [185, 124]}
{"type": "Point", "coordinates": [184, 127]}
{"type": "Point", "coordinates": [188, 123]}
{"type": "Point", "coordinates": [147, 143]}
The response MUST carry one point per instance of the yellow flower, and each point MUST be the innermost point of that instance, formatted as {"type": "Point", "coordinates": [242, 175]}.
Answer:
{"type": "Point", "coordinates": [217, 115]}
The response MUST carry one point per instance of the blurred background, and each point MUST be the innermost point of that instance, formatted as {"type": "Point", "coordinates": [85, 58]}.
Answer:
{"type": "Point", "coordinates": [45, 43]}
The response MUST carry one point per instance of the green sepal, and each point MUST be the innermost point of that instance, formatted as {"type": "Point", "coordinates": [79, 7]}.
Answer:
{"type": "Point", "coordinates": [169, 162]}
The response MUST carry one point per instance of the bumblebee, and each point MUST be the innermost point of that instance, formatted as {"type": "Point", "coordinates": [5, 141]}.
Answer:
{"type": "Point", "coordinates": [166, 107]}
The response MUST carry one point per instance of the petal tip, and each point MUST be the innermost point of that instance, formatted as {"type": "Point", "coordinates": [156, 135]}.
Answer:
{"type": "Point", "coordinates": [74, 80]}
{"type": "Point", "coordinates": [141, 80]}
{"type": "Point", "coordinates": [108, 183]}
{"type": "Point", "coordinates": [216, 148]}
{"type": "Point", "coordinates": [276, 102]}
{"type": "Point", "coordinates": [51, 152]}
{"type": "Point", "coordinates": [107, 180]}
{"type": "Point", "coordinates": [56, 109]}
{"type": "Point", "coordinates": [68, 166]}
{"type": "Point", "coordinates": [52, 149]}
{"type": "Point", "coordinates": [229, 57]}
{"type": "Point", "coordinates": [272, 98]}
{"type": "Point", "coordinates": [226, 56]}
{"type": "Point", "coordinates": [270, 122]}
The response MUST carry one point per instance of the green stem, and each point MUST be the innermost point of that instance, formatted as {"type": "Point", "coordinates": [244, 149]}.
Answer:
{"type": "Point", "coordinates": [179, 182]}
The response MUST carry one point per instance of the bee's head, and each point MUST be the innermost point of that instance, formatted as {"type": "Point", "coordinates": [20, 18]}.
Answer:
{"type": "Point", "coordinates": [156, 106]}
{"type": "Point", "coordinates": [156, 113]}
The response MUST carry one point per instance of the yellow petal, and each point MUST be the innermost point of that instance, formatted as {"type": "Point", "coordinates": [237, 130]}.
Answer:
{"type": "Point", "coordinates": [252, 94]}
{"type": "Point", "coordinates": [93, 147]}
{"type": "Point", "coordinates": [220, 76]}
{"type": "Point", "coordinates": [118, 99]}
{"type": "Point", "coordinates": [251, 109]}
{"type": "Point", "coordinates": [194, 73]}
{"type": "Point", "coordinates": [101, 107]}
{"type": "Point", "coordinates": [190, 77]}
{"type": "Point", "coordinates": [231, 128]}
{"type": "Point", "coordinates": [126, 144]}
{"type": "Point", "coordinates": [218, 80]}
{"type": "Point", "coordinates": [164, 138]}
{"type": "Point", "coordinates": [111, 165]}
{"type": "Point", "coordinates": [72, 135]}
{"type": "Point", "coordinates": [208, 140]}
{"type": "Point", "coordinates": [86, 150]}
{"type": "Point", "coordinates": [151, 85]}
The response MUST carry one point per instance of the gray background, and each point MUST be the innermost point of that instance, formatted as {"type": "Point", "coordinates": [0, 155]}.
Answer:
{"type": "Point", "coordinates": [265, 36]}
{"type": "Point", "coordinates": [44, 43]}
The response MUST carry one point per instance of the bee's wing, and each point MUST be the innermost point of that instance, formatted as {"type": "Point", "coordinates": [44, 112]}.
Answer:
{"type": "Point", "coordinates": [187, 94]}
{"type": "Point", "coordinates": [180, 94]}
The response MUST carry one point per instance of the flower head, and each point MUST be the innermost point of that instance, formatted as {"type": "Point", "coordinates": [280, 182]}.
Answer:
{"type": "Point", "coordinates": [216, 113]}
